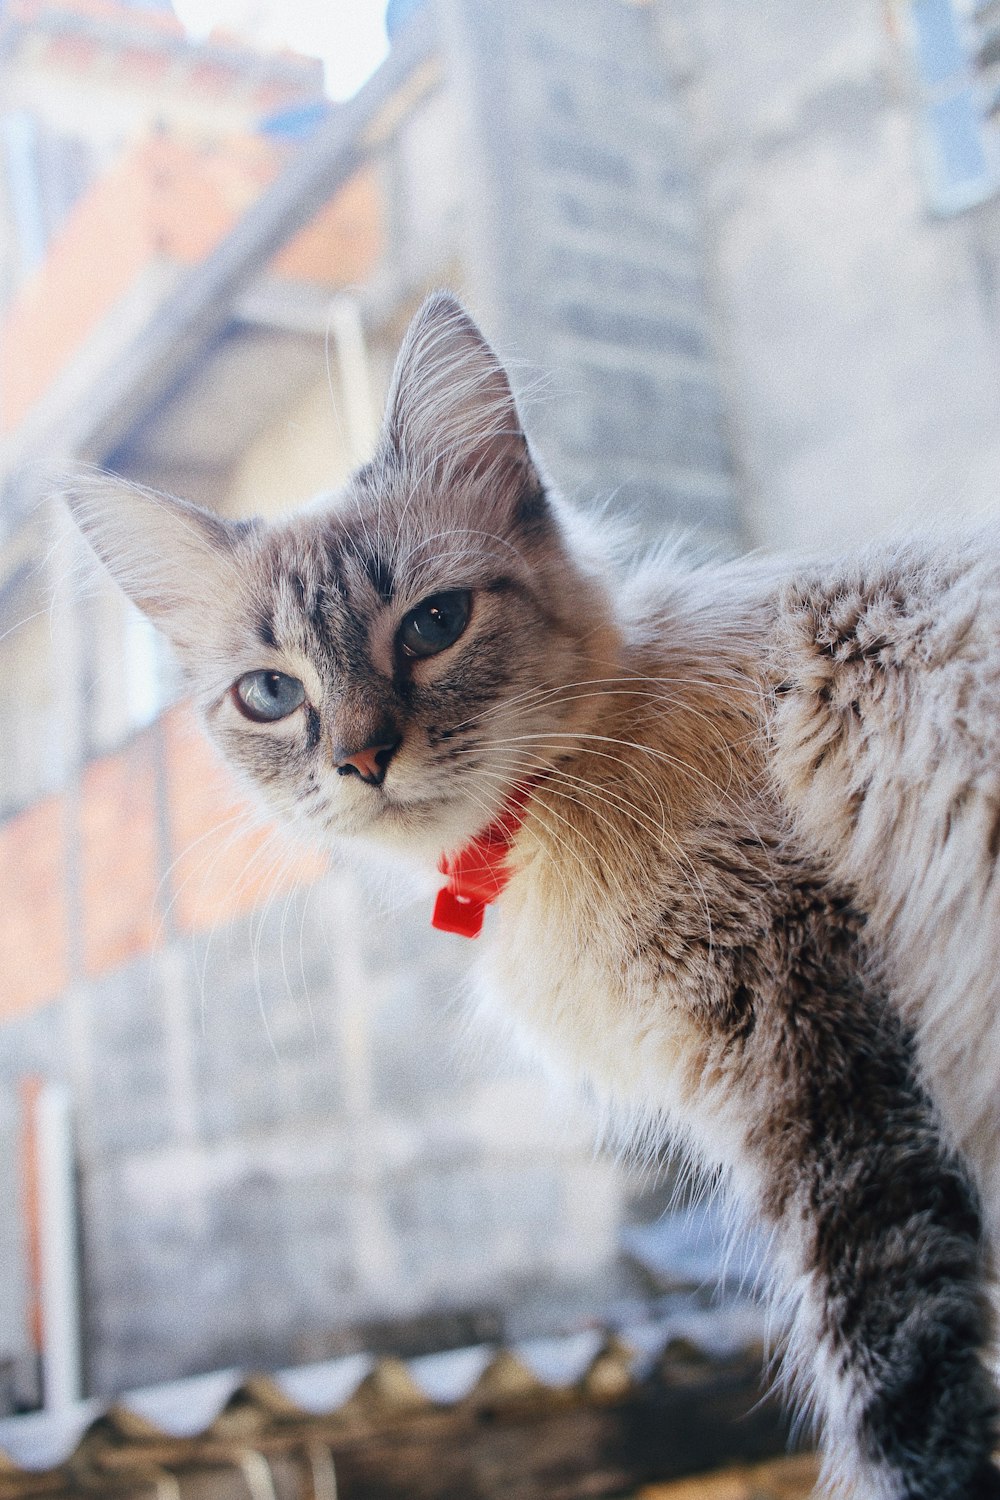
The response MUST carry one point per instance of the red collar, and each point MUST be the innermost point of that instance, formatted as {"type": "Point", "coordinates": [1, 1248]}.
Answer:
{"type": "Point", "coordinates": [478, 874]}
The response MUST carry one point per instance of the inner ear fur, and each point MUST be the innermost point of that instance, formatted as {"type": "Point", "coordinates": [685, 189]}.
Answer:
{"type": "Point", "coordinates": [451, 412]}
{"type": "Point", "coordinates": [177, 562]}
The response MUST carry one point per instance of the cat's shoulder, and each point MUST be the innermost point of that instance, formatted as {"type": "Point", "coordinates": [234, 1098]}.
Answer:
{"type": "Point", "coordinates": [886, 681]}
{"type": "Point", "coordinates": [919, 603]}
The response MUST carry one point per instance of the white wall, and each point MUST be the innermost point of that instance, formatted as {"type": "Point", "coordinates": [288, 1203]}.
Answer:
{"type": "Point", "coordinates": [858, 333]}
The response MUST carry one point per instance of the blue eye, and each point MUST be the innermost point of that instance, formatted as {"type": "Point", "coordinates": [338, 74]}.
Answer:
{"type": "Point", "coordinates": [265, 697]}
{"type": "Point", "coordinates": [435, 624]}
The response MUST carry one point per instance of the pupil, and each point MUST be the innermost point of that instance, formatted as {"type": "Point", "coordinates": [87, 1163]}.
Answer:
{"type": "Point", "coordinates": [434, 624]}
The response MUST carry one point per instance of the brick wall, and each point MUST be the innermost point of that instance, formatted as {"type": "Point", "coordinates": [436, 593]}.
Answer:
{"type": "Point", "coordinates": [166, 204]}
{"type": "Point", "coordinates": [119, 857]}
{"type": "Point", "coordinates": [33, 916]}
{"type": "Point", "coordinates": [162, 841]}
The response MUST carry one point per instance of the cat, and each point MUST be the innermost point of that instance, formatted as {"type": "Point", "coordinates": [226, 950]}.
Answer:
{"type": "Point", "coordinates": [739, 821]}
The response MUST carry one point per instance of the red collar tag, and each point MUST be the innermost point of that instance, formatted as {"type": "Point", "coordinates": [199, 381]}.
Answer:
{"type": "Point", "coordinates": [478, 874]}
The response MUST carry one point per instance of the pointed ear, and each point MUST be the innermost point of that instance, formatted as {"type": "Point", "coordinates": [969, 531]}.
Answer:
{"type": "Point", "coordinates": [451, 411]}
{"type": "Point", "coordinates": [175, 561]}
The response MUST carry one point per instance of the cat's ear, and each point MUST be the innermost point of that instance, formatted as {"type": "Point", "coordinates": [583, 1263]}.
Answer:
{"type": "Point", "coordinates": [174, 560]}
{"type": "Point", "coordinates": [451, 412]}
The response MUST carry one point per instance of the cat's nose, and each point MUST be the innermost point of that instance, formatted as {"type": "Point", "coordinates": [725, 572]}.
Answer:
{"type": "Point", "coordinates": [370, 762]}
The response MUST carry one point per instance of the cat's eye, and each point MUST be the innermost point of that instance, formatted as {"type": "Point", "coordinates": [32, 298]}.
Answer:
{"type": "Point", "coordinates": [267, 696]}
{"type": "Point", "coordinates": [435, 624]}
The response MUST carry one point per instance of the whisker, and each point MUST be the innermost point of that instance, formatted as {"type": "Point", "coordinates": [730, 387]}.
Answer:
{"type": "Point", "coordinates": [587, 870]}
{"type": "Point", "coordinates": [618, 804]}
{"type": "Point", "coordinates": [603, 688]}
{"type": "Point", "coordinates": [686, 766]}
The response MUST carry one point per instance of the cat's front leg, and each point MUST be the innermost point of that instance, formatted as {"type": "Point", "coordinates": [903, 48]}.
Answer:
{"type": "Point", "coordinates": [877, 1230]}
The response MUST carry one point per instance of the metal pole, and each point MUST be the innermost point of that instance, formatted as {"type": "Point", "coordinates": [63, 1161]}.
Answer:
{"type": "Point", "coordinates": [354, 369]}
{"type": "Point", "coordinates": [60, 1275]}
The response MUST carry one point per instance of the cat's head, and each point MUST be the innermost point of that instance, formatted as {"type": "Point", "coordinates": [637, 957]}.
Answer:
{"type": "Point", "coordinates": [393, 662]}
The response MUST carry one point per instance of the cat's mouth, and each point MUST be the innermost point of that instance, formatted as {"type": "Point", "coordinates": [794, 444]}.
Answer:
{"type": "Point", "coordinates": [427, 822]}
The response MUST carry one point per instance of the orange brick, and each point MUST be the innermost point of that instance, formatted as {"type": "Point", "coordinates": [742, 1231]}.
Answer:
{"type": "Point", "coordinates": [33, 915]}
{"type": "Point", "coordinates": [342, 243]}
{"type": "Point", "coordinates": [212, 78]}
{"type": "Point", "coordinates": [72, 52]}
{"type": "Point", "coordinates": [143, 65]}
{"type": "Point", "coordinates": [276, 94]}
{"type": "Point", "coordinates": [101, 10]}
{"type": "Point", "coordinates": [226, 860]}
{"type": "Point", "coordinates": [55, 310]}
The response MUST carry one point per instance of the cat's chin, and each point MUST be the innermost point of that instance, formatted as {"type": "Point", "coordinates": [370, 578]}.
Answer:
{"type": "Point", "coordinates": [420, 829]}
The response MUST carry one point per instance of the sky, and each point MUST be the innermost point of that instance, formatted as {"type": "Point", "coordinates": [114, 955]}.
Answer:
{"type": "Point", "coordinates": [347, 34]}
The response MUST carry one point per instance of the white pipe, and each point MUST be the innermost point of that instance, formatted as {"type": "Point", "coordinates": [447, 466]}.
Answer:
{"type": "Point", "coordinates": [60, 1275]}
{"type": "Point", "coordinates": [354, 368]}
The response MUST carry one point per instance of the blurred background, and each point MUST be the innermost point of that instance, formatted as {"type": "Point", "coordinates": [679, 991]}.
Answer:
{"type": "Point", "coordinates": [743, 261]}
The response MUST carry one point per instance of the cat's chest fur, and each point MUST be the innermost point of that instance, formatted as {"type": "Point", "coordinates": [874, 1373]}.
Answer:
{"type": "Point", "coordinates": [633, 944]}
{"type": "Point", "coordinates": [591, 994]}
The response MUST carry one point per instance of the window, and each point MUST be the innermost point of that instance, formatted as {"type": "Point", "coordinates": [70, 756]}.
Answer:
{"type": "Point", "coordinates": [956, 48]}
{"type": "Point", "coordinates": [45, 173]}
{"type": "Point", "coordinates": [126, 676]}
{"type": "Point", "coordinates": [30, 752]}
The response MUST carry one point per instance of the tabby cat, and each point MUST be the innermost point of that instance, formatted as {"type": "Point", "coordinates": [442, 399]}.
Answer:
{"type": "Point", "coordinates": [741, 824]}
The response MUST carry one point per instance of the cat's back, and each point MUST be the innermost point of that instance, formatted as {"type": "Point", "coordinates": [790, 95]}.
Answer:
{"type": "Point", "coordinates": [887, 670]}
{"type": "Point", "coordinates": [887, 750]}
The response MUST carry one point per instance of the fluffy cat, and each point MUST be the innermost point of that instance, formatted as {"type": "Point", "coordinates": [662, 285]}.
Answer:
{"type": "Point", "coordinates": [748, 839]}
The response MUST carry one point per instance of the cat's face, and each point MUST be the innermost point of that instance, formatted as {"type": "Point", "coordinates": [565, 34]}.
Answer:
{"type": "Point", "coordinates": [392, 664]}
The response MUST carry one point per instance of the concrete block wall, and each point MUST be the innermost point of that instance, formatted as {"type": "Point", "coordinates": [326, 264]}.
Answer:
{"type": "Point", "coordinates": [333, 1158]}
{"type": "Point", "coordinates": [585, 253]}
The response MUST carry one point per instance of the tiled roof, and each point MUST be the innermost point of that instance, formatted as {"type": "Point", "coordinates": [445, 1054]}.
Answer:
{"type": "Point", "coordinates": [348, 1405]}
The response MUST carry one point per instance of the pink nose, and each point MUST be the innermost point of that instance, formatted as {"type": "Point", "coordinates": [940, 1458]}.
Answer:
{"type": "Point", "coordinates": [370, 762]}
